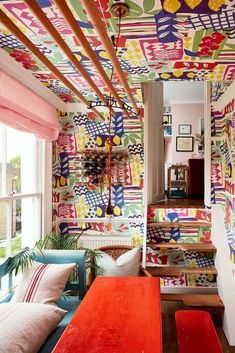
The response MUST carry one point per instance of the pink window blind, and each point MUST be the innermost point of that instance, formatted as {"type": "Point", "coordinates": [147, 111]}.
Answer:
{"type": "Point", "coordinates": [24, 110]}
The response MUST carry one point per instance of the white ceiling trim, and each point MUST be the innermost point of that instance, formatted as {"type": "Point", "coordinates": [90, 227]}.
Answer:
{"type": "Point", "coordinates": [15, 69]}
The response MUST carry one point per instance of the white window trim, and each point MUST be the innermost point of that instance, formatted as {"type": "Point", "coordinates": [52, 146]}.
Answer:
{"type": "Point", "coordinates": [42, 192]}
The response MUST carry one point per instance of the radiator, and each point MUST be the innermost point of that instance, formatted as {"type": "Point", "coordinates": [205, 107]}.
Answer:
{"type": "Point", "coordinates": [94, 242]}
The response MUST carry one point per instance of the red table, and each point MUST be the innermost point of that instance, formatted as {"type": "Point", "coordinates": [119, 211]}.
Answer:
{"type": "Point", "coordinates": [118, 315]}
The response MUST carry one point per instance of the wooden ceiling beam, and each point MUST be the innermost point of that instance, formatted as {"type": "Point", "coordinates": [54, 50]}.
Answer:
{"type": "Point", "coordinates": [38, 12]}
{"type": "Point", "coordinates": [36, 52]}
{"type": "Point", "coordinates": [68, 16]}
{"type": "Point", "coordinates": [96, 19]}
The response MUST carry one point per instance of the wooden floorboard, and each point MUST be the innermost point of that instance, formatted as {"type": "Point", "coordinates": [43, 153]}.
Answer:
{"type": "Point", "coordinates": [179, 203]}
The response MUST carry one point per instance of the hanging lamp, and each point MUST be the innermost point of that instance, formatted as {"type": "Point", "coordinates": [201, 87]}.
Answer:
{"type": "Point", "coordinates": [118, 10]}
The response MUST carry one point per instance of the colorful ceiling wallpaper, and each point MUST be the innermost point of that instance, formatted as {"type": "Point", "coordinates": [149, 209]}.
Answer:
{"type": "Point", "coordinates": [160, 40]}
{"type": "Point", "coordinates": [223, 168]}
{"type": "Point", "coordinates": [77, 200]}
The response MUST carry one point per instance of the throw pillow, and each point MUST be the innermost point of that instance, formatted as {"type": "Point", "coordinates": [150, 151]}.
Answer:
{"type": "Point", "coordinates": [42, 283]}
{"type": "Point", "coordinates": [24, 327]}
{"type": "Point", "coordinates": [126, 265]}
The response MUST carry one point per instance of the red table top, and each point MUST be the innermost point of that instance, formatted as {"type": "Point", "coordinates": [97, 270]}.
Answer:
{"type": "Point", "coordinates": [117, 315]}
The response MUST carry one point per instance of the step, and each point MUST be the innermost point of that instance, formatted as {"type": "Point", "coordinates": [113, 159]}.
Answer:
{"type": "Point", "coordinates": [179, 224]}
{"type": "Point", "coordinates": [210, 300]}
{"type": "Point", "coordinates": [170, 271]}
{"type": "Point", "coordinates": [202, 247]}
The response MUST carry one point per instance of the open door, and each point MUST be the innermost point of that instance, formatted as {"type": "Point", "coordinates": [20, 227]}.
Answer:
{"type": "Point", "coordinates": [153, 142]}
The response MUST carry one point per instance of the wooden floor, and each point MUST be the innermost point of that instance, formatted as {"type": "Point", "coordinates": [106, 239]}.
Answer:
{"type": "Point", "coordinates": [169, 331]}
{"type": "Point", "coordinates": [174, 203]}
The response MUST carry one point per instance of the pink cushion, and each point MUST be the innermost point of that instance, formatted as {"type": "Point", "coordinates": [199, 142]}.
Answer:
{"type": "Point", "coordinates": [24, 327]}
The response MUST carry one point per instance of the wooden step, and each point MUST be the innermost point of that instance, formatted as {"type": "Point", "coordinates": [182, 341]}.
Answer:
{"type": "Point", "coordinates": [212, 300]}
{"type": "Point", "coordinates": [179, 224]}
{"type": "Point", "coordinates": [202, 247]}
{"type": "Point", "coordinates": [170, 271]}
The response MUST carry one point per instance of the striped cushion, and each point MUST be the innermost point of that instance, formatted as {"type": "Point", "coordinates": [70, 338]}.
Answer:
{"type": "Point", "coordinates": [24, 327]}
{"type": "Point", "coordinates": [42, 283]}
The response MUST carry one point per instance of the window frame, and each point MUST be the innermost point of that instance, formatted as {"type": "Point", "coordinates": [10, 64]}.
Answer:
{"type": "Point", "coordinates": [37, 194]}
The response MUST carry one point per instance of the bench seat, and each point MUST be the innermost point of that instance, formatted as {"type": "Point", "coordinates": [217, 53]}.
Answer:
{"type": "Point", "coordinates": [196, 332]}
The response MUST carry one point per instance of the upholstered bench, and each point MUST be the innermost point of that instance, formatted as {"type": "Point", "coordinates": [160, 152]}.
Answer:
{"type": "Point", "coordinates": [68, 303]}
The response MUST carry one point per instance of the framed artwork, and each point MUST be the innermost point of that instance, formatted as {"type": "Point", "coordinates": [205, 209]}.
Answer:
{"type": "Point", "coordinates": [168, 130]}
{"type": "Point", "coordinates": [167, 119]}
{"type": "Point", "coordinates": [185, 129]}
{"type": "Point", "coordinates": [184, 144]}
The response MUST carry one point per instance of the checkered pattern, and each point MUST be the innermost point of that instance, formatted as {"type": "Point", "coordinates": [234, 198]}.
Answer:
{"type": "Point", "coordinates": [9, 41]}
{"type": "Point", "coordinates": [157, 234]}
{"type": "Point", "coordinates": [96, 129]}
{"type": "Point", "coordinates": [94, 199]}
{"type": "Point", "coordinates": [225, 152]}
{"type": "Point", "coordinates": [220, 21]}
{"type": "Point", "coordinates": [55, 86]}
{"type": "Point", "coordinates": [199, 259]}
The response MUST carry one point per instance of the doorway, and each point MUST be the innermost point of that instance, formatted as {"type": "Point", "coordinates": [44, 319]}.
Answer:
{"type": "Point", "coordinates": [183, 126]}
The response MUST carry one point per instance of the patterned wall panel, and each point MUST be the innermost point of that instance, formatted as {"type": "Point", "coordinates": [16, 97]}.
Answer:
{"type": "Point", "coordinates": [76, 198]}
{"type": "Point", "coordinates": [181, 235]}
{"type": "Point", "coordinates": [223, 168]}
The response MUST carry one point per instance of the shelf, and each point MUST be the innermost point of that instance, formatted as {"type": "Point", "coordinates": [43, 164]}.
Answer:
{"type": "Point", "coordinates": [168, 271]}
{"type": "Point", "coordinates": [202, 247]}
{"type": "Point", "coordinates": [194, 299]}
{"type": "Point", "coordinates": [179, 224]}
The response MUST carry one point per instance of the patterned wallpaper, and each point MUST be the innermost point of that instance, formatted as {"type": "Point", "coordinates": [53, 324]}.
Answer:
{"type": "Point", "coordinates": [223, 168]}
{"type": "Point", "coordinates": [166, 257]}
{"type": "Point", "coordinates": [76, 198]}
{"type": "Point", "coordinates": [179, 235]}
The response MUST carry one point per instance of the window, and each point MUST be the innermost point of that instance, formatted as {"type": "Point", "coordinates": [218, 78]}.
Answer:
{"type": "Point", "coordinates": [20, 190]}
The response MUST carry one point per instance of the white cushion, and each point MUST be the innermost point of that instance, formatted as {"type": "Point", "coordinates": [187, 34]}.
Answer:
{"type": "Point", "coordinates": [42, 283]}
{"type": "Point", "coordinates": [24, 327]}
{"type": "Point", "coordinates": [126, 265]}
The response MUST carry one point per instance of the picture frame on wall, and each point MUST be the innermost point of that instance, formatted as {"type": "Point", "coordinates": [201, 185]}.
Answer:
{"type": "Point", "coordinates": [184, 144]}
{"type": "Point", "coordinates": [185, 129]}
{"type": "Point", "coordinates": [167, 119]}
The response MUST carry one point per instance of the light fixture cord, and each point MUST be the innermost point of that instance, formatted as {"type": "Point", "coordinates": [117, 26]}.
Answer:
{"type": "Point", "coordinates": [110, 142]}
